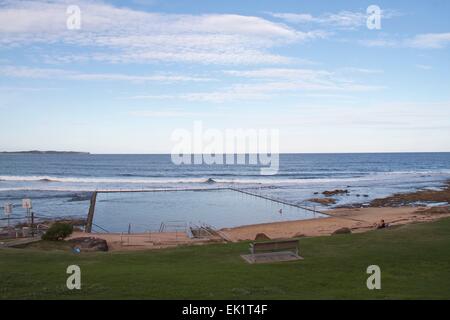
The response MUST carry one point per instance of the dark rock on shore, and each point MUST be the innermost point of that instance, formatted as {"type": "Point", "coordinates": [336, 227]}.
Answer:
{"type": "Point", "coordinates": [210, 180]}
{"type": "Point", "coordinates": [401, 199]}
{"type": "Point", "coordinates": [89, 244]}
{"type": "Point", "coordinates": [324, 201]}
{"type": "Point", "coordinates": [261, 237]}
{"type": "Point", "coordinates": [334, 192]}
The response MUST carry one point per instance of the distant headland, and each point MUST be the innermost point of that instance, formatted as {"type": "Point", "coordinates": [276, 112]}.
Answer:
{"type": "Point", "coordinates": [42, 152]}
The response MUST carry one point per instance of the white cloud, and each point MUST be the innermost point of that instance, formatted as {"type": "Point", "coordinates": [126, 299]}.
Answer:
{"type": "Point", "coordinates": [168, 113]}
{"type": "Point", "coordinates": [386, 43]}
{"type": "Point", "coordinates": [360, 70]}
{"type": "Point", "coordinates": [424, 67]}
{"type": "Point", "coordinates": [430, 40]}
{"type": "Point", "coordinates": [32, 73]}
{"type": "Point", "coordinates": [150, 96]}
{"type": "Point", "coordinates": [346, 19]}
{"type": "Point", "coordinates": [51, 73]}
{"type": "Point", "coordinates": [300, 74]}
{"type": "Point", "coordinates": [386, 115]}
{"type": "Point", "coordinates": [285, 73]}
{"type": "Point", "coordinates": [126, 35]}
{"type": "Point", "coordinates": [314, 79]}
{"type": "Point", "coordinates": [267, 83]}
{"type": "Point", "coordinates": [421, 41]}
{"type": "Point", "coordinates": [342, 20]}
{"type": "Point", "coordinates": [226, 55]}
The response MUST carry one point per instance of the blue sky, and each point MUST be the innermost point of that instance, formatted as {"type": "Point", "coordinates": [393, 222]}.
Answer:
{"type": "Point", "coordinates": [137, 70]}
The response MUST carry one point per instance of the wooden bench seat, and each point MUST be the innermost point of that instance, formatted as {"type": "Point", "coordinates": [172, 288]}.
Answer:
{"type": "Point", "coordinates": [274, 246]}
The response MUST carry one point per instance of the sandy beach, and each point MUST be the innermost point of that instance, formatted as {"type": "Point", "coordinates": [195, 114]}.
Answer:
{"type": "Point", "coordinates": [357, 220]}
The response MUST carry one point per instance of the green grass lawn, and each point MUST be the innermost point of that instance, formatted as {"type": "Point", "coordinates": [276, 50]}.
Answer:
{"type": "Point", "coordinates": [414, 261]}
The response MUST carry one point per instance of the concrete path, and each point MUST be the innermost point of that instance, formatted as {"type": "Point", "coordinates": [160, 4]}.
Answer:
{"type": "Point", "coordinates": [18, 242]}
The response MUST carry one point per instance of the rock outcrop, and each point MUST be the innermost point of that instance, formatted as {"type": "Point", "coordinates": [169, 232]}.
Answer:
{"type": "Point", "coordinates": [261, 237]}
{"type": "Point", "coordinates": [89, 244]}
{"type": "Point", "coordinates": [324, 201]}
{"type": "Point", "coordinates": [334, 192]}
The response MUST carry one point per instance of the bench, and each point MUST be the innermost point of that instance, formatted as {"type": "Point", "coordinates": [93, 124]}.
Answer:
{"type": "Point", "coordinates": [273, 251]}
{"type": "Point", "coordinates": [274, 246]}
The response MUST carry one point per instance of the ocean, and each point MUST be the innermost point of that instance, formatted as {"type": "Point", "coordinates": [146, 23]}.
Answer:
{"type": "Point", "coordinates": [61, 185]}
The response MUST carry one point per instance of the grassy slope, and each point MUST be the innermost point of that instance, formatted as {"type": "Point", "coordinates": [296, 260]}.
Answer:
{"type": "Point", "coordinates": [414, 260]}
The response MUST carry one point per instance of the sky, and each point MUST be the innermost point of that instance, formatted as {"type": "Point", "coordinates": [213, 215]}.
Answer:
{"type": "Point", "coordinates": [135, 71]}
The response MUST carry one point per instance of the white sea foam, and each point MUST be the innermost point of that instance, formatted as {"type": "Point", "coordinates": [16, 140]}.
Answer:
{"type": "Point", "coordinates": [77, 184]}
{"type": "Point", "coordinates": [237, 179]}
{"type": "Point", "coordinates": [48, 179]}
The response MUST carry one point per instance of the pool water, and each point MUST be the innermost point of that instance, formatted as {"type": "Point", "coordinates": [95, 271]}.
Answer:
{"type": "Point", "coordinates": [218, 208]}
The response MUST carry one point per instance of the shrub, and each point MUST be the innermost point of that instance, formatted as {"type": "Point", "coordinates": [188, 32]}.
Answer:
{"type": "Point", "coordinates": [58, 231]}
